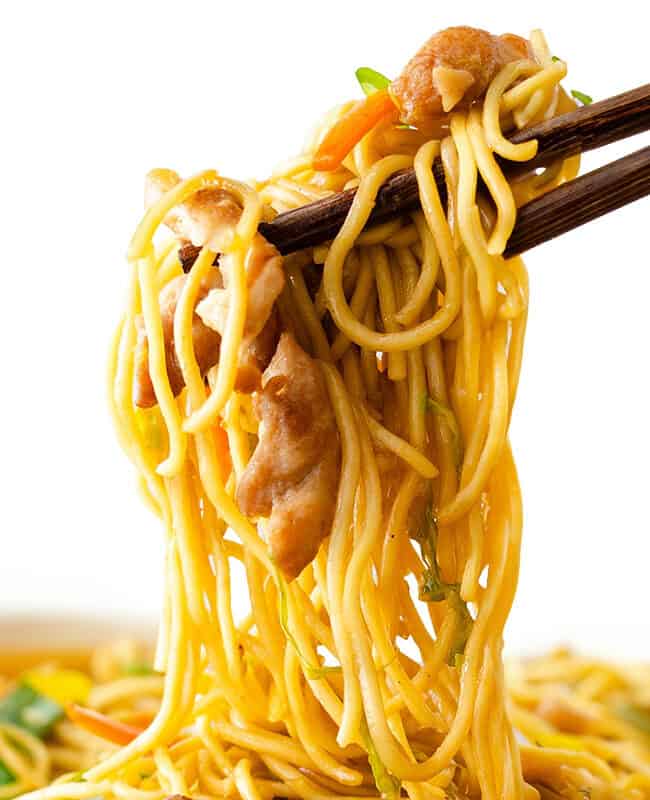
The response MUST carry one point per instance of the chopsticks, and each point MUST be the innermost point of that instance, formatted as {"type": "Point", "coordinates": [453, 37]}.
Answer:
{"type": "Point", "coordinates": [581, 200]}
{"type": "Point", "coordinates": [556, 212]}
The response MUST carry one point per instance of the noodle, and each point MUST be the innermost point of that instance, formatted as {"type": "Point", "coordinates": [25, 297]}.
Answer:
{"type": "Point", "coordinates": [378, 670]}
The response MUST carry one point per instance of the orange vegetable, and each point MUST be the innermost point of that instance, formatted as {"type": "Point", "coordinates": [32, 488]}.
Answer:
{"type": "Point", "coordinates": [138, 719]}
{"type": "Point", "coordinates": [223, 451]}
{"type": "Point", "coordinates": [100, 725]}
{"type": "Point", "coordinates": [351, 128]}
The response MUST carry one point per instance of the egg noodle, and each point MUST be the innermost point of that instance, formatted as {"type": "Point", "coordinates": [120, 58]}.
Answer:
{"type": "Point", "coordinates": [378, 671]}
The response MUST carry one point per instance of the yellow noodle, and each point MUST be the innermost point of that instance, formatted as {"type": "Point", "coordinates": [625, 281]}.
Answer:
{"type": "Point", "coordinates": [378, 671]}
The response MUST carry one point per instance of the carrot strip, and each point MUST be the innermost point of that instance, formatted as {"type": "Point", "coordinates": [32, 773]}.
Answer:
{"type": "Point", "coordinates": [223, 451]}
{"type": "Point", "coordinates": [351, 128]}
{"type": "Point", "coordinates": [102, 726]}
{"type": "Point", "coordinates": [138, 719]}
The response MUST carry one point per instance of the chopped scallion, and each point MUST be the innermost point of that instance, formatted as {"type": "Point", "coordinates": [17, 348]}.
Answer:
{"type": "Point", "coordinates": [30, 710]}
{"type": "Point", "coordinates": [431, 404]}
{"type": "Point", "coordinates": [463, 626]}
{"type": "Point", "coordinates": [138, 669]}
{"type": "Point", "coordinates": [312, 671]}
{"type": "Point", "coordinates": [6, 775]}
{"type": "Point", "coordinates": [433, 589]}
{"type": "Point", "coordinates": [387, 785]}
{"type": "Point", "coordinates": [370, 80]}
{"type": "Point", "coordinates": [581, 97]}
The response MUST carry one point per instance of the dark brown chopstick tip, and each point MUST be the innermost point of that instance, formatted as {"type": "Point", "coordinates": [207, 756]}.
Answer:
{"type": "Point", "coordinates": [580, 201]}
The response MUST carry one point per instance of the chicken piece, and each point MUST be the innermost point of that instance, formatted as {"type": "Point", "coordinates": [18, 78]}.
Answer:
{"type": "Point", "coordinates": [265, 281]}
{"type": "Point", "coordinates": [206, 341]}
{"type": "Point", "coordinates": [207, 219]}
{"type": "Point", "coordinates": [257, 356]}
{"type": "Point", "coordinates": [293, 474]}
{"type": "Point", "coordinates": [454, 68]}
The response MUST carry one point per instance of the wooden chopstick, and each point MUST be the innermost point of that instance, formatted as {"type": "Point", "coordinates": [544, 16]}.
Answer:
{"type": "Point", "coordinates": [581, 200]}
{"type": "Point", "coordinates": [556, 212]}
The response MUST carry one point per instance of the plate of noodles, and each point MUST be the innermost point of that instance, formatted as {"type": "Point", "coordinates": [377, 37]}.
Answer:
{"type": "Point", "coordinates": [325, 433]}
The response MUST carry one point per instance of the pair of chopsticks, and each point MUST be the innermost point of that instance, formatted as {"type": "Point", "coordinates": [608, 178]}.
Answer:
{"type": "Point", "coordinates": [556, 212]}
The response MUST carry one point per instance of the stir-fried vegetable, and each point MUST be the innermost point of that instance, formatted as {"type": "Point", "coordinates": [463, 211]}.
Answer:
{"type": "Point", "coordinates": [152, 426]}
{"type": "Point", "coordinates": [371, 81]}
{"type": "Point", "coordinates": [312, 671]}
{"type": "Point", "coordinates": [433, 589]}
{"type": "Point", "coordinates": [61, 685]}
{"type": "Point", "coordinates": [351, 128]}
{"type": "Point", "coordinates": [28, 709]}
{"type": "Point", "coordinates": [387, 784]}
{"type": "Point", "coordinates": [100, 725]}
{"type": "Point", "coordinates": [431, 404]}
{"type": "Point", "coordinates": [581, 97]}
{"type": "Point", "coordinates": [6, 775]}
{"type": "Point", "coordinates": [138, 669]}
{"type": "Point", "coordinates": [463, 626]}
{"type": "Point", "coordinates": [223, 451]}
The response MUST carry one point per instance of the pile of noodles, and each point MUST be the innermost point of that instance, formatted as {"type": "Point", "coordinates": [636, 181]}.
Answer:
{"type": "Point", "coordinates": [379, 670]}
{"type": "Point", "coordinates": [549, 700]}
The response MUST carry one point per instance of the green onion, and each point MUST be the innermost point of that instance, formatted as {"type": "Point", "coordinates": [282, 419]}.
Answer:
{"type": "Point", "coordinates": [431, 404]}
{"type": "Point", "coordinates": [6, 775]}
{"type": "Point", "coordinates": [387, 785]}
{"type": "Point", "coordinates": [463, 626]}
{"type": "Point", "coordinates": [581, 97]}
{"type": "Point", "coordinates": [433, 589]}
{"type": "Point", "coordinates": [27, 709]}
{"type": "Point", "coordinates": [555, 58]}
{"type": "Point", "coordinates": [138, 669]}
{"type": "Point", "coordinates": [312, 671]}
{"type": "Point", "coordinates": [639, 717]}
{"type": "Point", "coordinates": [370, 80]}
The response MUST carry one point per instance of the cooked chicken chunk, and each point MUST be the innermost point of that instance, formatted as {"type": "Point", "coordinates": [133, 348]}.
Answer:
{"type": "Point", "coordinates": [292, 477]}
{"type": "Point", "coordinates": [450, 71]}
{"type": "Point", "coordinates": [207, 219]}
{"type": "Point", "coordinates": [206, 342]}
{"type": "Point", "coordinates": [256, 356]}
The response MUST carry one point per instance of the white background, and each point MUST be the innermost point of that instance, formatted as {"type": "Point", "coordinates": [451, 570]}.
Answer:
{"type": "Point", "coordinates": [94, 94]}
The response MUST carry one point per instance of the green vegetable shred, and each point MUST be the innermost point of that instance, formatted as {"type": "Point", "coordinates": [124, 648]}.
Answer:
{"type": "Point", "coordinates": [433, 589]}
{"type": "Point", "coordinates": [6, 775]}
{"type": "Point", "coordinates": [387, 785]}
{"type": "Point", "coordinates": [29, 710]}
{"type": "Point", "coordinates": [370, 80]}
{"type": "Point", "coordinates": [431, 404]}
{"type": "Point", "coordinates": [312, 671]}
{"type": "Point", "coordinates": [581, 97]}
{"type": "Point", "coordinates": [138, 669]}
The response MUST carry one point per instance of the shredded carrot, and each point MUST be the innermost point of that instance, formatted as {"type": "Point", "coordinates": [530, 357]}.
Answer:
{"type": "Point", "coordinates": [351, 128]}
{"type": "Point", "coordinates": [223, 451]}
{"type": "Point", "coordinates": [138, 719]}
{"type": "Point", "coordinates": [100, 725]}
